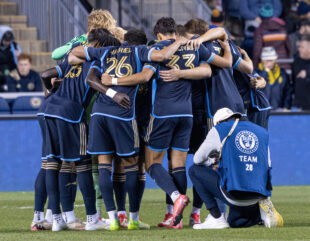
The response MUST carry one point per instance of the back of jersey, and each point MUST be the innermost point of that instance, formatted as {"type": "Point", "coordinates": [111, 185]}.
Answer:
{"type": "Point", "coordinates": [172, 99]}
{"type": "Point", "coordinates": [119, 62]}
{"type": "Point", "coordinates": [222, 89]}
{"type": "Point", "coordinates": [74, 94]}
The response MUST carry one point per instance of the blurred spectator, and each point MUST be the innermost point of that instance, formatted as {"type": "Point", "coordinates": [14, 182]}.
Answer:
{"type": "Point", "coordinates": [24, 79]}
{"type": "Point", "coordinates": [252, 11]}
{"type": "Point", "coordinates": [9, 51]}
{"type": "Point", "coordinates": [233, 21]}
{"type": "Point", "coordinates": [271, 32]}
{"type": "Point", "coordinates": [278, 89]}
{"type": "Point", "coordinates": [304, 28]}
{"type": "Point", "coordinates": [301, 74]}
{"type": "Point", "coordinates": [217, 18]}
{"type": "Point", "coordinates": [303, 9]}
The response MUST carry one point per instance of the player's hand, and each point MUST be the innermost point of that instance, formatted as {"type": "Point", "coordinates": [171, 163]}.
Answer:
{"type": "Point", "coordinates": [106, 79]}
{"type": "Point", "coordinates": [122, 99]}
{"type": "Point", "coordinates": [242, 51]}
{"type": "Point", "coordinates": [258, 82]}
{"type": "Point", "coordinates": [170, 75]}
{"type": "Point", "coordinates": [181, 40]}
{"type": "Point", "coordinates": [195, 43]}
{"type": "Point", "coordinates": [302, 74]}
{"type": "Point", "coordinates": [224, 44]}
{"type": "Point", "coordinates": [56, 82]}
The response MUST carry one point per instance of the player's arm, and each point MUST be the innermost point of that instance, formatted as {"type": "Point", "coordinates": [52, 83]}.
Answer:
{"type": "Point", "coordinates": [47, 76]}
{"type": "Point", "coordinates": [74, 60]}
{"type": "Point", "coordinates": [224, 61]}
{"type": "Point", "coordinates": [212, 34]}
{"type": "Point", "coordinates": [144, 76]}
{"type": "Point", "coordinates": [94, 82]}
{"type": "Point", "coordinates": [245, 65]}
{"type": "Point", "coordinates": [210, 145]}
{"type": "Point", "coordinates": [166, 53]}
{"type": "Point", "coordinates": [197, 73]}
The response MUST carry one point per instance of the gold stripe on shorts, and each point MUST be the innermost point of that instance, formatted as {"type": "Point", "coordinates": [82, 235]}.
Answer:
{"type": "Point", "coordinates": [136, 133]}
{"type": "Point", "coordinates": [149, 129]}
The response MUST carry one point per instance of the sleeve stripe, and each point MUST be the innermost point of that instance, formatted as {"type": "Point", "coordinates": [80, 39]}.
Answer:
{"type": "Point", "coordinates": [150, 54]}
{"type": "Point", "coordinates": [59, 71]}
{"type": "Point", "coordinates": [86, 53]}
{"type": "Point", "coordinates": [150, 67]}
{"type": "Point", "coordinates": [211, 58]}
{"type": "Point", "coordinates": [237, 63]}
{"type": "Point", "coordinates": [96, 67]}
{"type": "Point", "coordinates": [202, 62]}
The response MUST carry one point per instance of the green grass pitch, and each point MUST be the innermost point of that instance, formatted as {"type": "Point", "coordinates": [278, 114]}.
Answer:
{"type": "Point", "coordinates": [293, 202]}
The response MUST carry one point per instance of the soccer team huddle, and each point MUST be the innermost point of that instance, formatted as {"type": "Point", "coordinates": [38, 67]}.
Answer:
{"type": "Point", "coordinates": [115, 98]}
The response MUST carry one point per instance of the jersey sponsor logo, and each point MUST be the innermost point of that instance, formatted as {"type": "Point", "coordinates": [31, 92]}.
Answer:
{"type": "Point", "coordinates": [247, 142]}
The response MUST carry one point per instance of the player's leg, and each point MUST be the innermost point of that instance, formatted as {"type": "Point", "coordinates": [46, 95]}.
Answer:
{"type": "Point", "coordinates": [119, 186]}
{"type": "Point", "coordinates": [106, 187]}
{"type": "Point", "coordinates": [206, 183]}
{"type": "Point", "coordinates": [39, 222]}
{"type": "Point", "coordinates": [95, 173]}
{"type": "Point", "coordinates": [67, 190]}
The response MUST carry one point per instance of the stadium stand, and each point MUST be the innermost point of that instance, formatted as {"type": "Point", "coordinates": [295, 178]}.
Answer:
{"type": "Point", "coordinates": [26, 104]}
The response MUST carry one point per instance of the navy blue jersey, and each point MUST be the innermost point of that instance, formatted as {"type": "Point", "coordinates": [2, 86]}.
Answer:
{"type": "Point", "coordinates": [73, 95]}
{"type": "Point", "coordinates": [173, 99]}
{"type": "Point", "coordinates": [221, 87]}
{"type": "Point", "coordinates": [119, 62]}
{"type": "Point", "coordinates": [254, 97]}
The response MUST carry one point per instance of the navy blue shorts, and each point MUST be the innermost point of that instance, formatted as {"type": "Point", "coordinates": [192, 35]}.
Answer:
{"type": "Point", "coordinates": [41, 120]}
{"type": "Point", "coordinates": [109, 135]}
{"type": "Point", "coordinates": [64, 140]}
{"type": "Point", "coordinates": [260, 118]}
{"type": "Point", "coordinates": [164, 133]}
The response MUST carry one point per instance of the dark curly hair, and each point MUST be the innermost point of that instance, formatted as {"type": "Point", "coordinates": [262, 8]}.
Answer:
{"type": "Point", "coordinates": [135, 37]}
{"type": "Point", "coordinates": [102, 37]}
{"type": "Point", "coordinates": [165, 26]}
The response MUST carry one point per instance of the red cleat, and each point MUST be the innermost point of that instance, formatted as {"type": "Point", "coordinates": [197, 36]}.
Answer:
{"type": "Point", "coordinates": [123, 220]}
{"type": "Point", "coordinates": [179, 226]}
{"type": "Point", "coordinates": [178, 208]}
{"type": "Point", "coordinates": [194, 219]}
{"type": "Point", "coordinates": [167, 221]}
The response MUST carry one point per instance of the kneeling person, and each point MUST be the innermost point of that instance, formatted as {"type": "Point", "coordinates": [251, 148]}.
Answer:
{"type": "Point", "coordinates": [242, 179]}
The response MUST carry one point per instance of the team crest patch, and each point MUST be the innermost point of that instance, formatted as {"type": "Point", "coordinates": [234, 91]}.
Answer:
{"type": "Point", "coordinates": [30, 86]}
{"type": "Point", "coordinates": [35, 102]}
{"type": "Point", "coordinates": [246, 142]}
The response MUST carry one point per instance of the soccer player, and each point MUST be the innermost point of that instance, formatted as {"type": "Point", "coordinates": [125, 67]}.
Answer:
{"type": "Point", "coordinates": [107, 116]}
{"type": "Point", "coordinates": [243, 178]}
{"type": "Point", "coordinates": [66, 131]}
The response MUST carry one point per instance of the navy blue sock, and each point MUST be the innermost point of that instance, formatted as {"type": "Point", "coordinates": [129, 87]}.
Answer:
{"type": "Point", "coordinates": [65, 187]}
{"type": "Point", "coordinates": [141, 186]}
{"type": "Point", "coordinates": [168, 198]}
{"type": "Point", "coordinates": [197, 201]}
{"type": "Point", "coordinates": [86, 184]}
{"type": "Point", "coordinates": [51, 179]}
{"type": "Point", "coordinates": [119, 187]}
{"type": "Point", "coordinates": [179, 179]}
{"type": "Point", "coordinates": [40, 194]}
{"type": "Point", "coordinates": [162, 178]}
{"type": "Point", "coordinates": [73, 177]}
{"type": "Point", "coordinates": [106, 186]}
{"type": "Point", "coordinates": [132, 187]}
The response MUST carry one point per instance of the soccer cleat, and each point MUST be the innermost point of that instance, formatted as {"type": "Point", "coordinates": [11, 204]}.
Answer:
{"type": "Point", "coordinates": [98, 224]}
{"type": "Point", "coordinates": [143, 225]}
{"type": "Point", "coordinates": [76, 225]}
{"type": "Point", "coordinates": [167, 220]}
{"type": "Point", "coordinates": [39, 226]}
{"type": "Point", "coordinates": [269, 215]}
{"type": "Point", "coordinates": [59, 226]}
{"type": "Point", "coordinates": [123, 220]}
{"type": "Point", "coordinates": [114, 225]}
{"type": "Point", "coordinates": [178, 226]}
{"type": "Point", "coordinates": [194, 219]}
{"type": "Point", "coordinates": [178, 208]}
{"type": "Point", "coordinates": [213, 223]}
{"type": "Point", "coordinates": [133, 225]}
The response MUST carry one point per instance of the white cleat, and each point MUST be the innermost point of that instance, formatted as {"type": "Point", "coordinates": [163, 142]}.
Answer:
{"type": "Point", "coordinates": [269, 214]}
{"type": "Point", "coordinates": [59, 226]}
{"type": "Point", "coordinates": [76, 225]}
{"type": "Point", "coordinates": [98, 224]}
{"type": "Point", "coordinates": [213, 223]}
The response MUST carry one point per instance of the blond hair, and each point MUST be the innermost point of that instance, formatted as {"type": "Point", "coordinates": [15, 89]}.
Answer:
{"type": "Point", "coordinates": [100, 19]}
{"type": "Point", "coordinates": [118, 33]}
